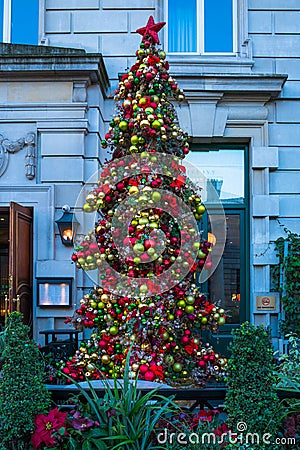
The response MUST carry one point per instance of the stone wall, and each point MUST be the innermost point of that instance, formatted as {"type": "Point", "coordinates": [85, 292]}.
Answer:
{"type": "Point", "coordinates": [55, 97]}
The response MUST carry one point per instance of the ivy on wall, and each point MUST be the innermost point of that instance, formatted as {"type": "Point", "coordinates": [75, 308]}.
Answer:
{"type": "Point", "coordinates": [286, 280]}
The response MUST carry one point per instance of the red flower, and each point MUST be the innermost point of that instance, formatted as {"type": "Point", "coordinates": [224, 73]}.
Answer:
{"type": "Point", "coordinates": [189, 349]}
{"type": "Point", "coordinates": [222, 429]}
{"type": "Point", "coordinates": [206, 416]}
{"type": "Point", "coordinates": [153, 59]}
{"type": "Point", "coordinates": [180, 181]}
{"type": "Point", "coordinates": [46, 426]}
{"type": "Point", "coordinates": [208, 307]}
{"type": "Point", "coordinates": [158, 372]}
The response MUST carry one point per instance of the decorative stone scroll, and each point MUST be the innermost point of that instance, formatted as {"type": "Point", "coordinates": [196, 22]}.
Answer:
{"type": "Point", "coordinates": [8, 147]}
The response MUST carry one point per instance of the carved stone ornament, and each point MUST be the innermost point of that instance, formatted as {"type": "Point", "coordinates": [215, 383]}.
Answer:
{"type": "Point", "coordinates": [8, 147]}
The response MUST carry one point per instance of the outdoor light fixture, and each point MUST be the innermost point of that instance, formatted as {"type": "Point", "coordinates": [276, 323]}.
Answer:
{"type": "Point", "coordinates": [67, 225]}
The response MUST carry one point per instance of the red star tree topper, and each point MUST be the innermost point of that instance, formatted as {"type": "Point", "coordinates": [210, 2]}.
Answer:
{"type": "Point", "coordinates": [151, 30]}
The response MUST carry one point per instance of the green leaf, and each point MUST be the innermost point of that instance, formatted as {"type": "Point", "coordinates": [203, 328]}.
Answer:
{"type": "Point", "coordinates": [100, 445]}
{"type": "Point", "coordinates": [61, 431]}
{"type": "Point", "coordinates": [97, 432]}
{"type": "Point", "coordinates": [87, 445]}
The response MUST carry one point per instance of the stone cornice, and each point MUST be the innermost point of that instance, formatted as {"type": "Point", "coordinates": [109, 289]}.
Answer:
{"type": "Point", "coordinates": [32, 62]}
{"type": "Point", "coordinates": [252, 87]}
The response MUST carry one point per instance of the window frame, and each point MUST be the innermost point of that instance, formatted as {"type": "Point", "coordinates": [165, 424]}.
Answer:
{"type": "Point", "coordinates": [7, 20]}
{"type": "Point", "coordinates": [200, 32]}
{"type": "Point", "coordinates": [243, 210]}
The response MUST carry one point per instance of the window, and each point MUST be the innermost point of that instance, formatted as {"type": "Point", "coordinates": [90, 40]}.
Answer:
{"type": "Point", "coordinates": [19, 21]}
{"type": "Point", "coordinates": [225, 168]}
{"type": "Point", "coordinates": [201, 26]}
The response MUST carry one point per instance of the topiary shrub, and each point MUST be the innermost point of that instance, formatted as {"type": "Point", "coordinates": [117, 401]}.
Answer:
{"type": "Point", "coordinates": [22, 390]}
{"type": "Point", "coordinates": [251, 402]}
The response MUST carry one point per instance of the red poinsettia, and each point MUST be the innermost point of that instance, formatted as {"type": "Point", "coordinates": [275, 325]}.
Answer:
{"type": "Point", "coordinates": [153, 59]}
{"type": "Point", "coordinates": [189, 349]}
{"type": "Point", "coordinates": [204, 416]}
{"type": "Point", "coordinates": [46, 426]}
{"type": "Point", "coordinates": [158, 371]}
{"type": "Point", "coordinates": [222, 429]}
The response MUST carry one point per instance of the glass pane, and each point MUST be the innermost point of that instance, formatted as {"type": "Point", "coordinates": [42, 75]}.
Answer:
{"type": "Point", "coordinates": [225, 170]}
{"type": "Point", "coordinates": [224, 284]}
{"type": "Point", "coordinates": [182, 26]}
{"type": "Point", "coordinates": [218, 26]}
{"type": "Point", "coordinates": [25, 19]}
{"type": "Point", "coordinates": [1, 20]}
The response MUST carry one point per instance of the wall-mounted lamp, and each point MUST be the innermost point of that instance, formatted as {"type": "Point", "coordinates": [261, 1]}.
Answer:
{"type": "Point", "coordinates": [67, 226]}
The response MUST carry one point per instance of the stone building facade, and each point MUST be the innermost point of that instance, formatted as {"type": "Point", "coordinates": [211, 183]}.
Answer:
{"type": "Point", "coordinates": [60, 94]}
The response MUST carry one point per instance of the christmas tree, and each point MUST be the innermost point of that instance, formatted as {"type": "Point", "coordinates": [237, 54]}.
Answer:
{"type": "Point", "coordinates": [146, 243]}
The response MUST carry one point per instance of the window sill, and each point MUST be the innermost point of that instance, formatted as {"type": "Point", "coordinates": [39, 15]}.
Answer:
{"type": "Point", "coordinates": [199, 64]}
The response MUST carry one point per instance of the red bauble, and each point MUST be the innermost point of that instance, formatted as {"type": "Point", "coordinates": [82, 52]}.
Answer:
{"type": "Point", "coordinates": [93, 247]}
{"type": "Point", "coordinates": [143, 369]}
{"type": "Point", "coordinates": [102, 344]}
{"type": "Point", "coordinates": [149, 243]}
{"type": "Point", "coordinates": [144, 257]}
{"type": "Point", "coordinates": [149, 376]}
{"type": "Point", "coordinates": [120, 186]}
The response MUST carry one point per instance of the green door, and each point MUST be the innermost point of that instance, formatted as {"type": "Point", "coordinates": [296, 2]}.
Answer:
{"type": "Point", "coordinates": [228, 286]}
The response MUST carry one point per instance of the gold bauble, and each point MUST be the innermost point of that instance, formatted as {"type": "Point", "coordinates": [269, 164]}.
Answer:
{"type": "Point", "coordinates": [105, 359]}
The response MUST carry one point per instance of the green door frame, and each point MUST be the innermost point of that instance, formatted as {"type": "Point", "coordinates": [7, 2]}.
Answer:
{"type": "Point", "coordinates": [221, 339]}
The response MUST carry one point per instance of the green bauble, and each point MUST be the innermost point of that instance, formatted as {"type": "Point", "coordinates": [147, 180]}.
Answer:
{"type": "Point", "coordinates": [177, 367]}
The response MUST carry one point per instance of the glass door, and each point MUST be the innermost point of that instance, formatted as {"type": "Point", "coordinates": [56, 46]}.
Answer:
{"type": "Point", "coordinates": [226, 168]}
